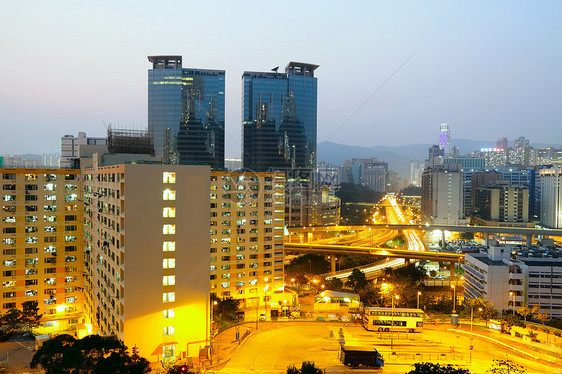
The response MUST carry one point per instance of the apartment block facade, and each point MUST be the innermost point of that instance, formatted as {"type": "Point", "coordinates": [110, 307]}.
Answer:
{"type": "Point", "coordinates": [147, 256]}
{"type": "Point", "coordinates": [247, 223]}
{"type": "Point", "coordinates": [42, 252]}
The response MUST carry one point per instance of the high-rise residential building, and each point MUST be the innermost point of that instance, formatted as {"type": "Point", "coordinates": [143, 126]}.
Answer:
{"type": "Point", "coordinates": [70, 147]}
{"type": "Point", "coordinates": [436, 155]}
{"type": "Point", "coordinates": [502, 143]}
{"type": "Point", "coordinates": [368, 172]}
{"type": "Point", "coordinates": [147, 256]}
{"type": "Point", "coordinates": [247, 221]}
{"type": "Point", "coordinates": [186, 112]}
{"type": "Point", "coordinates": [279, 118]}
{"type": "Point", "coordinates": [551, 197]}
{"type": "Point", "coordinates": [520, 142]}
{"type": "Point", "coordinates": [499, 204]}
{"type": "Point", "coordinates": [445, 138]}
{"type": "Point", "coordinates": [42, 250]}
{"type": "Point", "coordinates": [442, 196]}
{"type": "Point", "coordinates": [509, 282]}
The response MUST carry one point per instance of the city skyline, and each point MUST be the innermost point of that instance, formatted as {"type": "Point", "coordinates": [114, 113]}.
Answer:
{"type": "Point", "coordinates": [486, 69]}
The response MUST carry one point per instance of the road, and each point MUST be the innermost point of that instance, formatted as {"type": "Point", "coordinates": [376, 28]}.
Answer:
{"type": "Point", "coordinates": [272, 350]}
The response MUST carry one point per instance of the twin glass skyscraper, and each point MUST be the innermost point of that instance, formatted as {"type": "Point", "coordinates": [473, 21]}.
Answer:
{"type": "Point", "coordinates": [279, 118]}
{"type": "Point", "coordinates": [186, 113]}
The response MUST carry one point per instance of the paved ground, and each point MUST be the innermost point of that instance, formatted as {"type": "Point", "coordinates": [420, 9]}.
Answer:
{"type": "Point", "coordinates": [278, 345]}
{"type": "Point", "coordinates": [16, 353]}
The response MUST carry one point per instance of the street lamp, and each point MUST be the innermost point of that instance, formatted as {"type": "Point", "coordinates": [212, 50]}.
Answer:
{"type": "Point", "coordinates": [512, 293]}
{"type": "Point", "coordinates": [454, 299]}
{"type": "Point", "coordinates": [419, 293]}
{"type": "Point", "coordinates": [392, 321]}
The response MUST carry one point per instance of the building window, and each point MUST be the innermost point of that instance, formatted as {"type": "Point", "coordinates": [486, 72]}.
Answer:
{"type": "Point", "coordinates": [169, 229]}
{"type": "Point", "coordinates": [168, 177]}
{"type": "Point", "coordinates": [169, 263]}
{"type": "Point", "coordinates": [169, 246]}
{"type": "Point", "coordinates": [169, 212]}
{"type": "Point", "coordinates": [168, 297]}
{"type": "Point", "coordinates": [169, 280]}
{"type": "Point", "coordinates": [169, 194]}
{"type": "Point", "coordinates": [169, 313]}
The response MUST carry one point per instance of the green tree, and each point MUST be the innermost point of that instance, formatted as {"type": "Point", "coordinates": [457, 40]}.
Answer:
{"type": "Point", "coordinates": [506, 367]}
{"type": "Point", "coordinates": [12, 318]}
{"type": "Point", "coordinates": [30, 315]}
{"type": "Point", "coordinates": [310, 263]}
{"type": "Point", "coordinates": [178, 369]}
{"type": "Point", "coordinates": [524, 311]}
{"type": "Point", "coordinates": [513, 320]}
{"type": "Point", "coordinates": [542, 317]}
{"type": "Point", "coordinates": [227, 308]}
{"type": "Point", "coordinates": [307, 367]}
{"type": "Point", "coordinates": [335, 284]}
{"type": "Point", "coordinates": [357, 280]}
{"type": "Point", "coordinates": [431, 368]}
{"type": "Point", "coordinates": [91, 355]}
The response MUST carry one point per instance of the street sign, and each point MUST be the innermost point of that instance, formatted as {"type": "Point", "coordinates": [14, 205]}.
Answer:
{"type": "Point", "coordinates": [471, 347]}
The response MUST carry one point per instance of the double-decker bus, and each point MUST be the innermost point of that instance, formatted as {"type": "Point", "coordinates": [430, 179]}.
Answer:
{"type": "Point", "coordinates": [393, 319]}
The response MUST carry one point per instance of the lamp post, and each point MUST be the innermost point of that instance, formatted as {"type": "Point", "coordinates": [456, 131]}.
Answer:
{"type": "Point", "coordinates": [419, 293]}
{"type": "Point", "coordinates": [392, 321]}
{"type": "Point", "coordinates": [454, 299]}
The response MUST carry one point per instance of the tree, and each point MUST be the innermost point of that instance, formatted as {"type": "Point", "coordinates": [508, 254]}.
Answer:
{"type": "Point", "coordinates": [542, 317]}
{"type": "Point", "coordinates": [335, 284]}
{"type": "Point", "coordinates": [506, 367]}
{"type": "Point", "coordinates": [524, 311]}
{"type": "Point", "coordinates": [178, 369]}
{"type": "Point", "coordinates": [227, 308]}
{"type": "Point", "coordinates": [93, 354]}
{"type": "Point", "coordinates": [30, 315]}
{"type": "Point", "coordinates": [306, 368]}
{"type": "Point", "coordinates": [12, 318]}
{"type": "Point", "coordinates": [431, 368]}
{"type": "Point", "coordinates": [309, 263]}
{"type": "Point", "coordinates": [357, 280]}
{"type": "Point", "coordinates": [513, 320]}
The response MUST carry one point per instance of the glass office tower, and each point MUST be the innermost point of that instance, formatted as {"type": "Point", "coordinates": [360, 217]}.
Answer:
{"type": "Point", "coordinates": [279, 118]}
{"type": "Point", "coordinates": [186, 112]}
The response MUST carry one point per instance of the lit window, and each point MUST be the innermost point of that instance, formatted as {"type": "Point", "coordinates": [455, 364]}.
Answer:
{"type": "Point", "coordinates": [169, 246]}
{"type": "Point", "coordinates": [169, 313]}
{"type": "Point", "coordinates": [169, 177]}
{"type": "Point", "coordinates": [168, 330]}
{"type": "Point", "coordinates": [169, 280]}
{"type": "Point", "coordinates": [169, 194]}
{"type": "Point", "coordinates": [169, 263]}
{"type": "Point", "coordinates": [168, 297]}
{"type": "Point", "coordinates": [169, 229]}
{"type": "Point", "coordinates": [169, 212]}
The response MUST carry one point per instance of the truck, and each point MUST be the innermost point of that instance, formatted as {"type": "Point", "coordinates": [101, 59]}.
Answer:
{"type": "Point", "coordinates": [361, 356]}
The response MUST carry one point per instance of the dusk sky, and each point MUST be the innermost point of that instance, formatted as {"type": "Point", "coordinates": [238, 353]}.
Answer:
{"type": "Point", "coordinates": [488, 69]}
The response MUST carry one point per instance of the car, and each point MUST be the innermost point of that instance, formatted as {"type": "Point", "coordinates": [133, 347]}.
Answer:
{"type": "Point", "coordinates": [262, 317]}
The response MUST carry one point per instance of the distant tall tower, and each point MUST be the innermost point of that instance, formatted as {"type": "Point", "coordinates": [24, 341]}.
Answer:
{"type": "Point", "coordinates": [502, 143]}
{"type": "Point", "coordinates": [186, 112]}
{"type": "Point", "coordinates": [520, 142]}
{"type": "Point", "coordinates": [279, 118]}
{"type": "Point", "coordinates": [445, 138]}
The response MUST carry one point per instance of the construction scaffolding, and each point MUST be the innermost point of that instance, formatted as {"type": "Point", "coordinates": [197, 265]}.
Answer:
{"type": "Point", "coordinates": [130, 141]}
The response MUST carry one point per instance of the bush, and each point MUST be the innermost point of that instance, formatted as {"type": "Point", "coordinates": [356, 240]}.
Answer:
{"type": "Point", "coordinates": [517, 334]}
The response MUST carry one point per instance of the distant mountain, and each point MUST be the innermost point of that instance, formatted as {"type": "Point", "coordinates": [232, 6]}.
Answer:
{"type": "Point", "coordinates": [398, 157]}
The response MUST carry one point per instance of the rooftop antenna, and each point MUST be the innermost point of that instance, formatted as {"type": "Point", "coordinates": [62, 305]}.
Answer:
{"type": "Point", "coordinates": [275, 69]}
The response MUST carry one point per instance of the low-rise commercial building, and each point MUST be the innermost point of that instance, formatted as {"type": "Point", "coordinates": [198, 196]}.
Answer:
{"type": "Point", "coordinates": [514, 282]}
